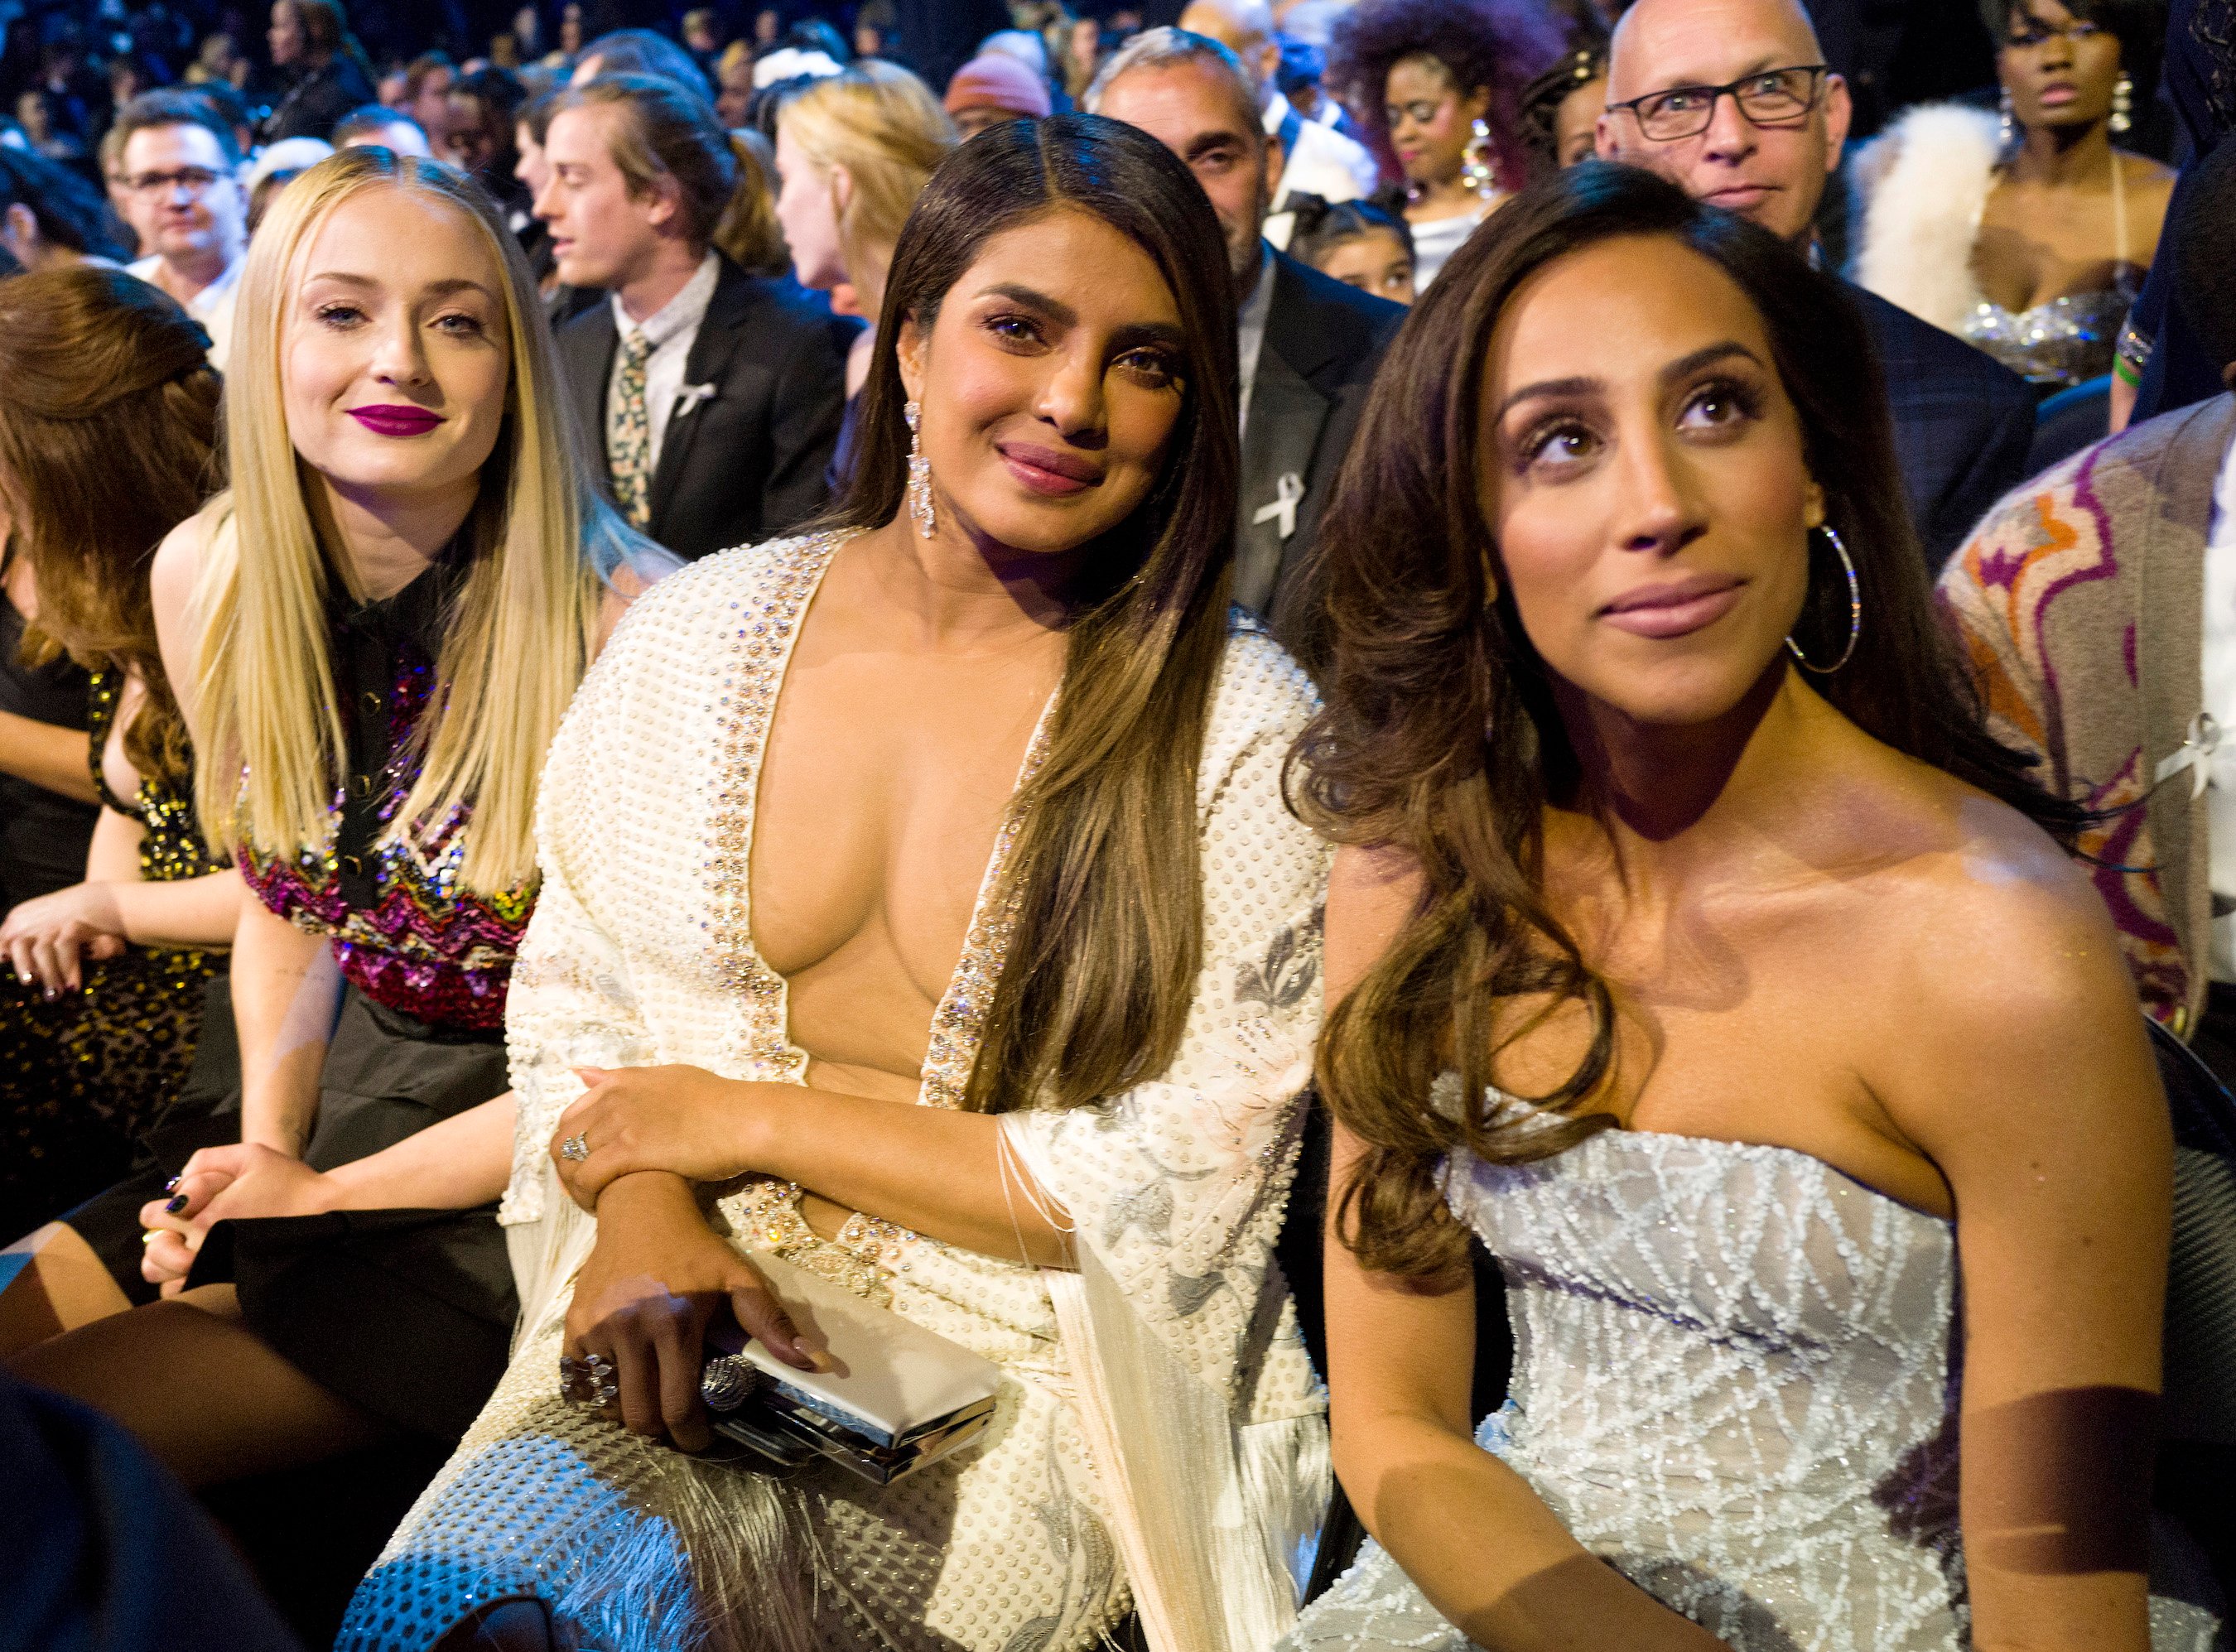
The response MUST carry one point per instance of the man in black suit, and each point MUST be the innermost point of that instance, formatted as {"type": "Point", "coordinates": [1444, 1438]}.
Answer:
{"type": "Point", "coordinates": [709, 400]}
{"type": "Point", "coordinates": [1309, 344]}
{"type": "Point", "coordinates": [1962, 421]}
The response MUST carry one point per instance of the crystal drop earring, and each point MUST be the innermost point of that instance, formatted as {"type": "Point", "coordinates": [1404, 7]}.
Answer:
{"type": "Point", "coordinates": [2123, 104]}
{"type": "Point", "coordinates": [919, 471]}
{"type": "Point", "coordinates": [2009, 129]}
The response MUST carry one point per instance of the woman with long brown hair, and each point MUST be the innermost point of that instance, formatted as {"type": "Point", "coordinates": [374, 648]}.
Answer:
{"type": "Point", "coordinates": [107, 437]}
{"type": "Point", "coordinates": [1695, 947]}
{"type": "Point", "coordinates": [952, 943]}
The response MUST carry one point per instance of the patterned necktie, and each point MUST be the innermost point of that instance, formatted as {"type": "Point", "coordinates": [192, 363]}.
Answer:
{"type": "Point", "coordinates": [628, 434]}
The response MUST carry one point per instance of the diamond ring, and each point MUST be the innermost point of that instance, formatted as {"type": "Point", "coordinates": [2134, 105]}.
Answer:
{"type": "Point", "coordinates": [727, 1382]}
{"type": "Point", "coordinates": [587, 1381]}
{"type": "Point", "coordinates": [576, 1148]}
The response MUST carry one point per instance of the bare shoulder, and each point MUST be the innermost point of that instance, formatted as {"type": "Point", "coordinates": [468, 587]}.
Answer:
{"type": "Point", "coordinates": [2141, 172]}
{"type": "Point", "coordinates": [179, 559]}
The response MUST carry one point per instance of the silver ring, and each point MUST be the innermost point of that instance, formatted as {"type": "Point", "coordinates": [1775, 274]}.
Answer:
{"type": "Point", "coordinates": [587, 1381]}
{"type": "Point", "coordinates": [728, 1381]}
{"type": "Point", "coordinates": [576, 1148]}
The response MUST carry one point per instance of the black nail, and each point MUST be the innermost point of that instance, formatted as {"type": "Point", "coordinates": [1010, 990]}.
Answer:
{"type": "Point", "coordinates": [176, 1204]}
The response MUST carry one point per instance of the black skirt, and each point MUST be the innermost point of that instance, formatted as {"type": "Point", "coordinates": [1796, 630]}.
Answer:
{"type": "Point", "coordinates": [406, 1313]}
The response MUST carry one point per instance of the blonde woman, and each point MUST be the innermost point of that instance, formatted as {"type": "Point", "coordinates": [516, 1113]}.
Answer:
{"type": "Point", "coordinates": [374, 635]}
{"type": "Point", "coordinates": [853, 151]}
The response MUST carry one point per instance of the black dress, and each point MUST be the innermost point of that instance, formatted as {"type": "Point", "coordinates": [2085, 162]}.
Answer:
{"type": "Point", "coordinates": [407, 1313]}
{"type": "Point", "coordinates": [44, 835]}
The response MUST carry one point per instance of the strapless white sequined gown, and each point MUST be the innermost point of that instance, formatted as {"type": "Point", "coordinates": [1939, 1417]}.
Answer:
{"type": "Point", "coordinates": [1734, 1381]}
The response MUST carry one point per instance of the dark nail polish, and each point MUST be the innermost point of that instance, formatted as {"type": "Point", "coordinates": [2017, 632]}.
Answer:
{"type": "Point", "coordinates": [177, 1203]}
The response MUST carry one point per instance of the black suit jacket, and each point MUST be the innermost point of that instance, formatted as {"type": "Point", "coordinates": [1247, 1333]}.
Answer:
{"type": "Point", "coordinates": [1323, 342]}
{"type": "Point", "coordinates": [747, 463]}
{"type": "Point", "coordinates": [1963, 424]}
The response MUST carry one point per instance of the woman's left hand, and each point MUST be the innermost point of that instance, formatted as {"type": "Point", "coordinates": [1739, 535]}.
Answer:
{"type": "Point", "coordinates": [684, 1120]}
{"type": "Point", "coordinates": [46, 937]}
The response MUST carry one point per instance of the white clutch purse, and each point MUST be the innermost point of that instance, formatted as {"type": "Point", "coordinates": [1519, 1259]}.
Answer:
{"type": "Point", "coordinates": [897, 1398]}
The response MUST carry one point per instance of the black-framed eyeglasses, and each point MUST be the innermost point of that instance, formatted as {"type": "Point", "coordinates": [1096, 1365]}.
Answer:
{"type": "Point", "coordinates": [1767, 97]}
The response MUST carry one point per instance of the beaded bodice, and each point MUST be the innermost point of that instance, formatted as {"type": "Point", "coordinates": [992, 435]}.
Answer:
{"type": "Point", "coordinates": [171, 843]}
{"type": "Point", "coordinates": [1732, 1378]}
{"type": "Point", "coordinates": [2062, 342]}
{"type": "Point", "coordinates": [407, 932]}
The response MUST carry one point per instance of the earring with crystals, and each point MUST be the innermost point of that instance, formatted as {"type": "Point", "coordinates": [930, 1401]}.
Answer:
{"type": "Point", "coordinates": [920, 480]}
{"type": "Point", "coordinates": [2123, 104]}
{"type": "Point", "coordinates": [2011, 126]}
{"type": "Point", "coordinates": [1476, 173]}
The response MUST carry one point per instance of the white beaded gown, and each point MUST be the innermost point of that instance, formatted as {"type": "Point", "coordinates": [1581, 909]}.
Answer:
{"type": "Point", "coordinates": [640, 951]}
{"type": "Point", "coordinates": [1733, 1381]}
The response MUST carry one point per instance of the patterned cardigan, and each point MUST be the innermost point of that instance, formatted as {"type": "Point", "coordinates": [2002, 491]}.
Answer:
{"type": "Point", "coordinates": [2080, 602]}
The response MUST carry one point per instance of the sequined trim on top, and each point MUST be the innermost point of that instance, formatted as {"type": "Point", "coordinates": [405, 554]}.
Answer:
{"type": "Point", "coordinates": [425, 945]}
{"type": "Point", "coordinates": [860, 1257]}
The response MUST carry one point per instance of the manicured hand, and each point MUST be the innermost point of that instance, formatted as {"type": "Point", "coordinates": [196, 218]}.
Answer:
{"type": "Point", "coordinates": [222, 1184]}
{"type": "Point", "coordinates": [657, 1275]}
{"type": "Point", "coordinates": [683, 1120]}
{"type": "Point", "coordinates": [49, 939]}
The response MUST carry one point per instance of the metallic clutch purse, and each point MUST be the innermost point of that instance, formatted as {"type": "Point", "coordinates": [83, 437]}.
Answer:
{"type": "Point", "coordinates": [897, 1398]}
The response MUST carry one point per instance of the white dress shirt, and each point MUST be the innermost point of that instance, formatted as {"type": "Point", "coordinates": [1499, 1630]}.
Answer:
{"type": "Point", "coordinates": [672, 329]}
{"type": "Point", "coordinates": [212, 306]}
{"type": "Point", "coordinates": [2219, 677]}
{"type": "Point", "coordinates": [1318, 160]}
{"type": "Point", "coordinates": [1250, 335]}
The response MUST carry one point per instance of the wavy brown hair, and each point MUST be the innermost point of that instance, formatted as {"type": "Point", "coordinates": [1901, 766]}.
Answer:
{"type": "Point", "coordinates": [1441, 740]}
{"type": "Point", "coordinates": [1108, 928]}
{"type": "Point", "coordinates": [107, 441]}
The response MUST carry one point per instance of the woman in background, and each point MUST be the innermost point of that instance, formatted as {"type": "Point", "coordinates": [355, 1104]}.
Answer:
{"type": "Point", "coordinates": [2028, 234]}
{"type": "Point", "coordinates": [1696, 947]}
{"type": "Point", "coordinates": [853, 152]}
{"type": "Point", "coordinates": [1442, 81]}
{"type": "Point", "coordinates": [107, 436]}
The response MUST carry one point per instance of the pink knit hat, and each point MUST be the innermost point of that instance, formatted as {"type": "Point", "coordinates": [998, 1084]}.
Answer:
{"type": "Point", "coordinates": [996, 82]}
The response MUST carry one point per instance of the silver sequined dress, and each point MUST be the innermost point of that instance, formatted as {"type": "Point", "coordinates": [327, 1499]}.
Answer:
{"type": "Point", "coordinates": [1733, 1382]}
{"type": "Point", "coordinates": [2064, 342]}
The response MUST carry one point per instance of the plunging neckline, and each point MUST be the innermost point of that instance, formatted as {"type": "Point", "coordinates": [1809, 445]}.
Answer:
{"type": "Point", "coordinates": [957, 1022]}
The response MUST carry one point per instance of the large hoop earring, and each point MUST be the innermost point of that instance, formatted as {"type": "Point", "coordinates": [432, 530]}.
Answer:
{"type": "Point", "coordinates": [1855, 609]}
{"type": "Point", "coordinates": [2123, 104]}
{"type": "Point", "coordinates": [1476, 174]}
{"type": "Point", "coordinates": [919, 471]}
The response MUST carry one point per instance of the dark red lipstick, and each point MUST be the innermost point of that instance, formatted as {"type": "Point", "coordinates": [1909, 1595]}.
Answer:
{"type": "Point", "coordinates": [393, 419]}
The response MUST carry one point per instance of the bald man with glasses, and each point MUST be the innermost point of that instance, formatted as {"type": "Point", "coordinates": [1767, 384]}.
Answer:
{"type": "Point", "coordinates": [1732, 101]}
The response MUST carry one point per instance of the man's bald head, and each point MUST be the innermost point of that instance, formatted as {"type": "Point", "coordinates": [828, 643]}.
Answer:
{"type": "Point", "coordinates": [1774, 174]}
{"type": "Point", "coordinates": [1244, 27]}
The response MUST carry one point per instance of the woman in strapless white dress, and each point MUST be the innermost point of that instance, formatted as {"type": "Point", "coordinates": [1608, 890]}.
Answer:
{"type": "Point", "coordinates": [1694, 947]}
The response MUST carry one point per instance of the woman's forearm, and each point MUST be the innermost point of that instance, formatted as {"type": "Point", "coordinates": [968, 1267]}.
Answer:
{"type": "Point", "coordinates": [286, 991]}
{"type": "Point", "coordinates": [190, 912]}
{"type": "Point", "coordinates": [938, 1172]}
{"type": "Point", "coordinates": [48, 756]}
{"type": "Point", "coordinates": [463, 1161]}
{"type": "Point", "coordinates": [1486, 1550]}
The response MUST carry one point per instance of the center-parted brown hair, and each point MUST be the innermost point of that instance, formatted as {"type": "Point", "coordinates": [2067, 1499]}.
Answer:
{"type": "Point", "coordinates": [1109, 931]}
{"type": "Point", "coordinates": [1441, 740]}
{"type": "Point", "coordinates": [107, 441]}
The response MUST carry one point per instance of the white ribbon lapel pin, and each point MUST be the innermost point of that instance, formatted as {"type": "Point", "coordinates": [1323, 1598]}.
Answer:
{"type": "Point", "coordinates": [689, 397]}
{"type": "Point", "coordinates": [1288, 494]}
{"type": "Point", "coordinates": [2198, 744]}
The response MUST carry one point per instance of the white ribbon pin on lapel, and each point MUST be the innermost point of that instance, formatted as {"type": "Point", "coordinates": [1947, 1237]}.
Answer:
{"type": "Point", "coordinates": [2198, 744]}
{"type": "Point", "coordinates": [689, 397]}
{"type": "Point", "coordinates": [1288, 494]}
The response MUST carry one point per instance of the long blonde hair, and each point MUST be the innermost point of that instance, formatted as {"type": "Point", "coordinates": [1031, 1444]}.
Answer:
{"type": "Point", "coordinates": [885, 127]}
{"type": "Point", "coordinates": [269, 728]}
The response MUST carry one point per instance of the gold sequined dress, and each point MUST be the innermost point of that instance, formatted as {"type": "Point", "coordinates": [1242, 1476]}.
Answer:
{"type": "Point", "coordinates": [84, 1074]}
{"type": "Point", "coordinates": [640, 951]}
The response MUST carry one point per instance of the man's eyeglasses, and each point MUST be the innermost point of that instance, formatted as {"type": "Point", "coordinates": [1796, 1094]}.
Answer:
{"type": "Point", "coordinates": [195, 180]}
{"type": "Point", "coordinates": [1767, 97]}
